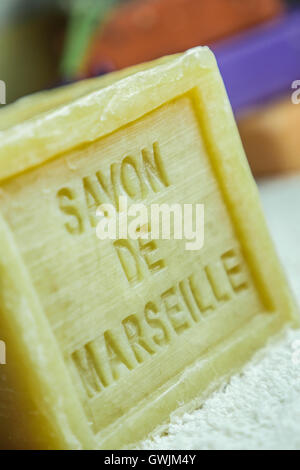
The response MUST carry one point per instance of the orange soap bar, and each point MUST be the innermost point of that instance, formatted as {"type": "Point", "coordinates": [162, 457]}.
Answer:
{"type": "Point", "coordinates": [271, 137]}
{"type": "Point", "coordinates": [140, 31]}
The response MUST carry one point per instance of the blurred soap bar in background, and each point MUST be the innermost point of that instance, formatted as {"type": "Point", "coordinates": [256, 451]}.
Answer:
{"type": "Point", "coordinates": [259, 67]}
{"type": "Point", "coordinates": [261, 64]}
{"type": "Point", "coordinates": [138, 31]}
{"type": "Point", "coordinates": [271, 137]}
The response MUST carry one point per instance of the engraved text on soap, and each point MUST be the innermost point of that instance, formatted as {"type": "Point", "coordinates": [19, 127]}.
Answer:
{"type": "Point", "coordinates": [141, 335]}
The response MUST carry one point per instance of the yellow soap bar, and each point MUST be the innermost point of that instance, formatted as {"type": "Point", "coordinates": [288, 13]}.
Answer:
{"type": "Point", "coordinates": [105, 338]}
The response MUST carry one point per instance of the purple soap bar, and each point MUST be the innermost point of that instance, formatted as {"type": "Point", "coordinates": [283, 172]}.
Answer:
{"type": "Point", "coordinates": [261, 63]}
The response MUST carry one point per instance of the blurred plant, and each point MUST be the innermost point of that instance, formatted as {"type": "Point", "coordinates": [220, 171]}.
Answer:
{"type": "Point", "coordinates": [85, 17]}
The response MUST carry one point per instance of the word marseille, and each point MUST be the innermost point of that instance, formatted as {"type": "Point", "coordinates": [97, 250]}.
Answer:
{"type": "Point", "coordinates": [141, 335]}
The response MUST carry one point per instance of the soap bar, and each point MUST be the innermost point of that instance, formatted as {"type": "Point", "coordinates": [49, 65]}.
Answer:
{"type": "Point", "coordinates": [140, 31]}
{"type": "Point", "coordinates": [259, 65]}
{"type": "Point", "coordinates": [105, 338]}
{"type": "Point", "coordinates": [270, 135]}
